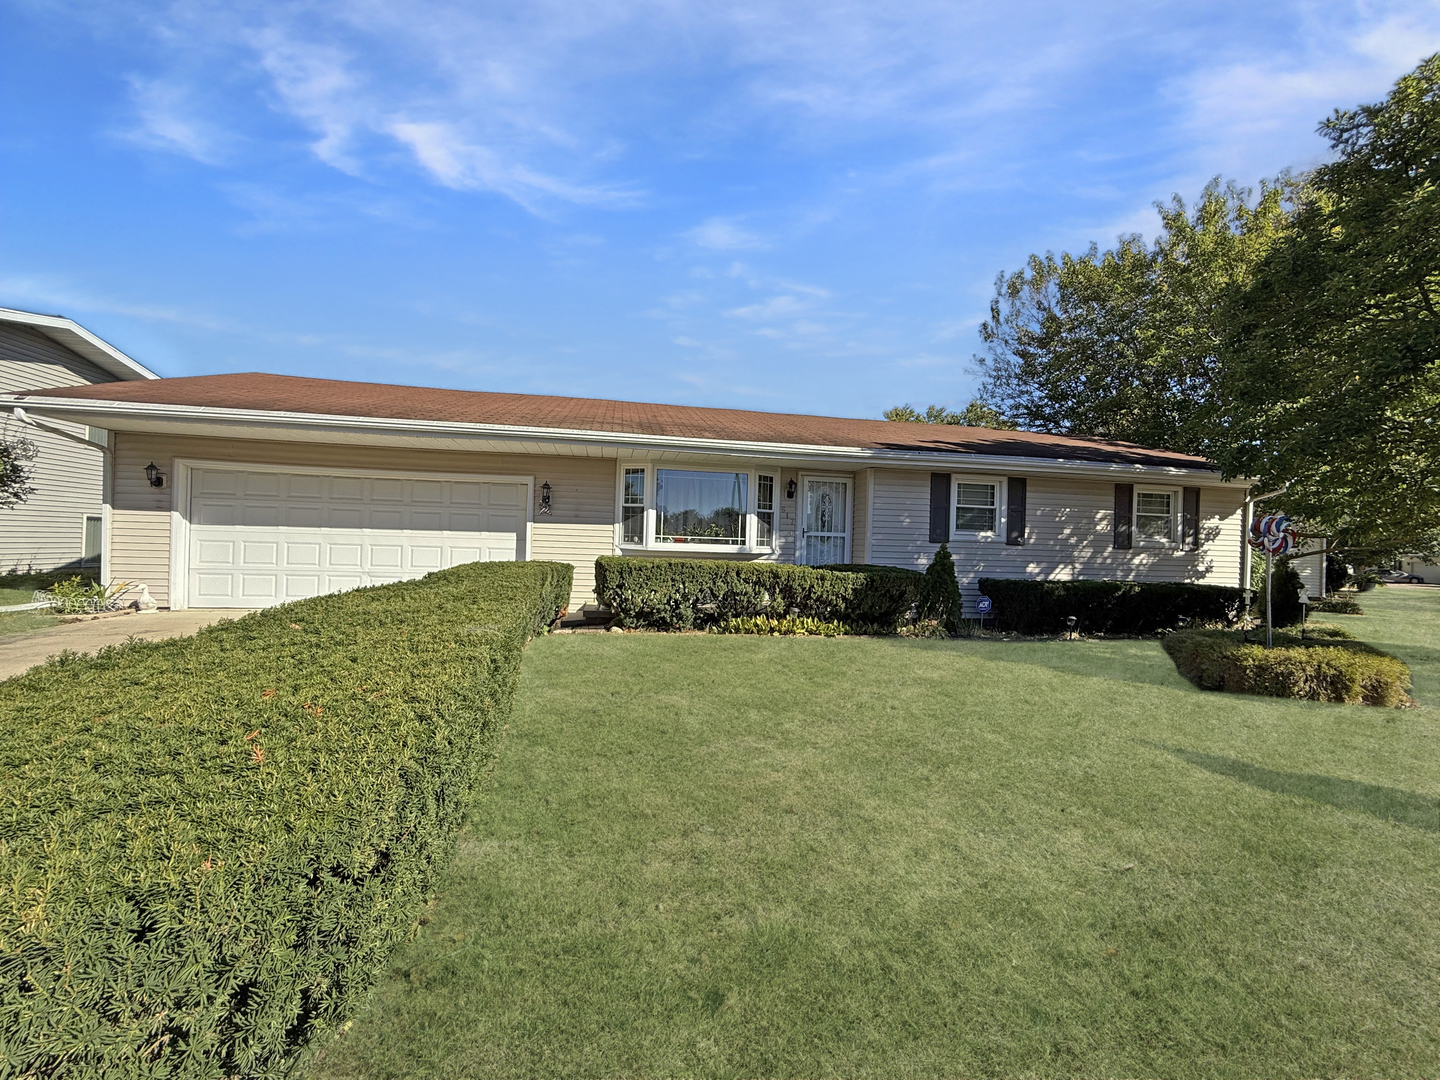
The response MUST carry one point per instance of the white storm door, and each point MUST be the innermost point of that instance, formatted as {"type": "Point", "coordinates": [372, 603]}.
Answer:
{"type": "Point", "coordinates": [825, 521]}
{"type": "Point", "coordinates": [259, 538]}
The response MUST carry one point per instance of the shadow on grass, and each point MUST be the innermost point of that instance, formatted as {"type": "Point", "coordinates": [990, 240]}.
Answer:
{"type": "Point", "coordinates": [1386, 803]}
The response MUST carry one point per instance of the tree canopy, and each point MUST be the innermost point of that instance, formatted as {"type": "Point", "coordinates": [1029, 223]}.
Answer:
{"type": "Point", "coordinates": [1122, 344]}
{"type": "Point", "coordinates": [1331, 373]}
{"type": "Point", "coordinates": [976, 414]}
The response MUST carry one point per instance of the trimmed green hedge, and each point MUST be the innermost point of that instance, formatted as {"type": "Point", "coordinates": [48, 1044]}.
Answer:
{"type": "Point", "coordinates": [1324, 668]}
{"type": "Point", "coordinates": [1025, 606]}
{"type": "Point", "coordinates": [685, 594]}
{"type": "Point", "coordinates": [210, 845]}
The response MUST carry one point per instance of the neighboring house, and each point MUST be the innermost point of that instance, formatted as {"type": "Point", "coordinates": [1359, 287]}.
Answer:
{"type": "Point", "coordinates": [62, 523]}
{"type": "Point", "coordinates": [269, 488]}
{"type": "Point", "coordinates": [1415, 565]}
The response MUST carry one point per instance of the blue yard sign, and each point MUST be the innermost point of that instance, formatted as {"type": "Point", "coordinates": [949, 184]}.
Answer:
{"type": "Point", "coordinates": [983, 605]}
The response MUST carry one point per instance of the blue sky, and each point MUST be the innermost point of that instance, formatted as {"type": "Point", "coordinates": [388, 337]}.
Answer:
{"type": "Point", "coordinates": [795, 206]}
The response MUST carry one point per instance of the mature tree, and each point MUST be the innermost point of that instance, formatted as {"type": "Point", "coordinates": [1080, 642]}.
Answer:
{"type": "Point", "coordinates": [1123, 344]}
{"type": "Point", "coordinates": [976, 414]}
{"type": "Point", "coordinates": [1331, 373]}
{"type": "Point", "coordinates": [15, 457]}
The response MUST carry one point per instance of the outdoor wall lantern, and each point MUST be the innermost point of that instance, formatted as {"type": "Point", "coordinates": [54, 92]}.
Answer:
{"type": "Point", "coordinates": [154, 475]}
{"type": "Point", "coordinates": [790, 489]}
{"type": "Point", "coordinates": [545, 497]}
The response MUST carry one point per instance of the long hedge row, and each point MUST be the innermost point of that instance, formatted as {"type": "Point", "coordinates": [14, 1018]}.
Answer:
{"type": "Point", "coordinates": [685, 594]}
{"type": "Point", "coordinates": [210, 845]}
{"type": "Point", "coordinates": [1107, 607]}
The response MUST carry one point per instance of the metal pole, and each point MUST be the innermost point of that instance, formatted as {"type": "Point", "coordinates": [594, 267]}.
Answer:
{"type": "Point", "coordinates": [1269, 600]}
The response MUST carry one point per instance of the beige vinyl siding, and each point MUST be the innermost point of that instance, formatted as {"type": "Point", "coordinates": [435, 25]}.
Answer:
{"type": "Point", "coordinates": [859, 518]}
{"type": "Point", "coordinates": [580, 526]}
{"type": "Point", "coordinates": [47, 530]}
{"type": "Point", "coordinates": [1069, 529]}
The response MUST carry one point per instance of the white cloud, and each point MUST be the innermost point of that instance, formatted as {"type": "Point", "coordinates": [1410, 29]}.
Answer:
{"type": "Point", "coordinates": [777, 307]}
{"type": "Point", "coordinates": [168, 119]}
{"type": "Point", "coordinates": [722, 234]}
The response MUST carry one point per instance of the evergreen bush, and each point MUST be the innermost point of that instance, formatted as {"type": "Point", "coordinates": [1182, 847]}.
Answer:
{"type": "Point", "coordinates": [210, 845]}
{"type": "Point", "coordinates": [942, 600]}
{"type": "Point", "coordinates": [1108, 607]}
{"type": "Point", "coordinates": [1324, 668]}
{"type": "Point", "coordinates": [686, 594]}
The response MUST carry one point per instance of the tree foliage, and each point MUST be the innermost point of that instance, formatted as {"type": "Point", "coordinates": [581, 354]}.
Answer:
{"type": "Point", "coordinates": [976, 414]}
{"type": "Point", "coordinates": [1123, 344]}
{"type": "Point", "coordinates": [1331, 378]}
{"type": "Point", "coordinates": [16, 454]}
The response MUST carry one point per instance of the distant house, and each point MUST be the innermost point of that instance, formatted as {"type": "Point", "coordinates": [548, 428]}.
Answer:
{"type": "Point", "coordinates": [268, 488]}
{"type": "Point", "coordinates": [1416, 566]}
{"type": "Point", "coordinates": [62, 523]}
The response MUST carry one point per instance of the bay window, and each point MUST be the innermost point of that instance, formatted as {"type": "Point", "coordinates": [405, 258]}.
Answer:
{"type": "Point", "coordinates": [704, 509]}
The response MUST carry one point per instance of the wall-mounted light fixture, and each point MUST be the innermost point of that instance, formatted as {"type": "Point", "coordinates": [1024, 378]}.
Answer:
{"type": "Point", "coordinates": [154, 475]}
{"type": "Point", "coordinates": [545, 497]}
{"type": "Point", "coordinates": [790, 489]}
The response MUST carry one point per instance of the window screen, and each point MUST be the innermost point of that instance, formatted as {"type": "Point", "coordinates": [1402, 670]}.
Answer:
{"type": "Point", "coordinates": [974, 507]}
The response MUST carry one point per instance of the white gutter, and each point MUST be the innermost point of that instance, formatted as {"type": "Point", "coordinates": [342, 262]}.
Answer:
{"type": "Point", "coordinates": [135, 411]}
{"type": "Point", "coordinates": [36, 422]}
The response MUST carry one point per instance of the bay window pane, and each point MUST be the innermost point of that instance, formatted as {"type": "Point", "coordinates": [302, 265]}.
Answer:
{"type": "Point", "coordinates": [700, 507]}
{"type": "Point", "coordinates": [764, 511]}
{"type": "Point", "coordinates": [632, 517]}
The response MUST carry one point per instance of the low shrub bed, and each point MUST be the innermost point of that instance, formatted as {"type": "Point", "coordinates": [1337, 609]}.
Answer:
{"type": "Point", "coordinates": [210, 845]}
{"type": "Point", "coordinates": [1107, 607]}
{"type": "Point", "coordinates": [1338, 604]}
{"type": "Point", "coordinates": [687, 594]}
{"type": "Point", "coordinates": [1325, 667]}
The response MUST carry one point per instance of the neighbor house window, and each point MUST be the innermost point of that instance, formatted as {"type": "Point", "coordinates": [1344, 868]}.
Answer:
{"type": "Point", "coordinates": [975, 507]}
{"type": "Point", "coordinates": [764, 510]}
{"type": "Point", "coordinates": [1155, 517]}
{"type": "Point", "coordinates": [700, 507]}
{"type": "Point", "coordinates": [632, 508]}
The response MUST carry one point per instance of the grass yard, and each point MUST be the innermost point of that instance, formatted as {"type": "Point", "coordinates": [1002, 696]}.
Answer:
{"type": "Point", "coordinates": [751, 857]}
{"type": "Point", "coordinates": [1403, 620]}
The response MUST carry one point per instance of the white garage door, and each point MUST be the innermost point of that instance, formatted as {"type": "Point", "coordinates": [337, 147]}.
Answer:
{"type": "Point", "coordinates": [262, 538]}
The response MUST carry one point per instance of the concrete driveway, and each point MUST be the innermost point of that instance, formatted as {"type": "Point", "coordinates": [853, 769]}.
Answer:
{"type": "Point", "coordinates": [20, 652]}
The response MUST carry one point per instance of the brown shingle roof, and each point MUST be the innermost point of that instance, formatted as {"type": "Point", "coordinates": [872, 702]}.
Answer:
{"type": "Point", "coordinates": [330, 397]}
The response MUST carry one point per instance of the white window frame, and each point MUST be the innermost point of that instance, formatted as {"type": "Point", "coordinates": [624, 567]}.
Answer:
{"type": "Point", "coordinates": [1001, 504]}
{"type": "Point", "coordinates": [1176, 509]}
{"type": "Point", "coordinates": [650, 545]}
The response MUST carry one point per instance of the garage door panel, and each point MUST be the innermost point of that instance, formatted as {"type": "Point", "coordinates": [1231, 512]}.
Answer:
{"type": "Point", "coordinates": [259, 538]}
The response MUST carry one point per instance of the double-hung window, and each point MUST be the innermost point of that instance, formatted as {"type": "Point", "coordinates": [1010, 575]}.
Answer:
{"type": "Point", "coordinates": [632, 508]}
{"type": "Point", "coordinates": [1155, 517]}
{"type": "Point", "coordinates": [977, 506]}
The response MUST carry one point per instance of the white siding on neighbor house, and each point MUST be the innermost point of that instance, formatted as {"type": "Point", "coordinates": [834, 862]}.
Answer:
{"type": "Point", "coordinates": [579, 527]}
{"type": "Point", "coordinates": [1311, 569]}
{"type": "Point", "coordinates": [47, 529]}
{"type": "Point", "coordinates": [1069, 531]}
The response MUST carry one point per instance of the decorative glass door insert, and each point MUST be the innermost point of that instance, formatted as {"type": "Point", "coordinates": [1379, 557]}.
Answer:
{"type": "Point", "coordinates": [826, 523]}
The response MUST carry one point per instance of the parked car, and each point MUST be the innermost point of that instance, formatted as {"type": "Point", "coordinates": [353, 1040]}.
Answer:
{"type": "Point", "coordinates": [1399, 577]}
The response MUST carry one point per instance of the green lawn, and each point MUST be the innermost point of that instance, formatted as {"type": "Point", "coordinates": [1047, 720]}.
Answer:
{"type": "Point", "coordinates": [1404, 621]}
{"type": "Point", "coordinates": [725, 856]}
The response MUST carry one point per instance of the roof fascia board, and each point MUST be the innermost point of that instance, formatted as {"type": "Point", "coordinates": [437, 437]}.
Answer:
{"type": "Point", "coordinates": [82, 342]}
{"type": "Point", "coordinates": [637, 443]}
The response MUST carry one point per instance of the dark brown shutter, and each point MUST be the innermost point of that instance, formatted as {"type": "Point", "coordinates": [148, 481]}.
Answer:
{"type": "Point", "coordinates": [939, 507]}
{"type": "Point", "coordinates": [1015, 511]}
{"type": "Point", "coordinates": [1124, 510]}
{"type": "Point", "coordinates": [1190, 520]}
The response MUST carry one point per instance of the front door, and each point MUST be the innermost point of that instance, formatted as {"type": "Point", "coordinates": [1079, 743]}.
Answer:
{"type": "Point", "coordinates": [825, 521]}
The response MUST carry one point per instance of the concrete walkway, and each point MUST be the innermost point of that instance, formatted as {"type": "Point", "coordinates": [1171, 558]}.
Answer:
{"type": "Point", "coordinates": [20, 652]}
